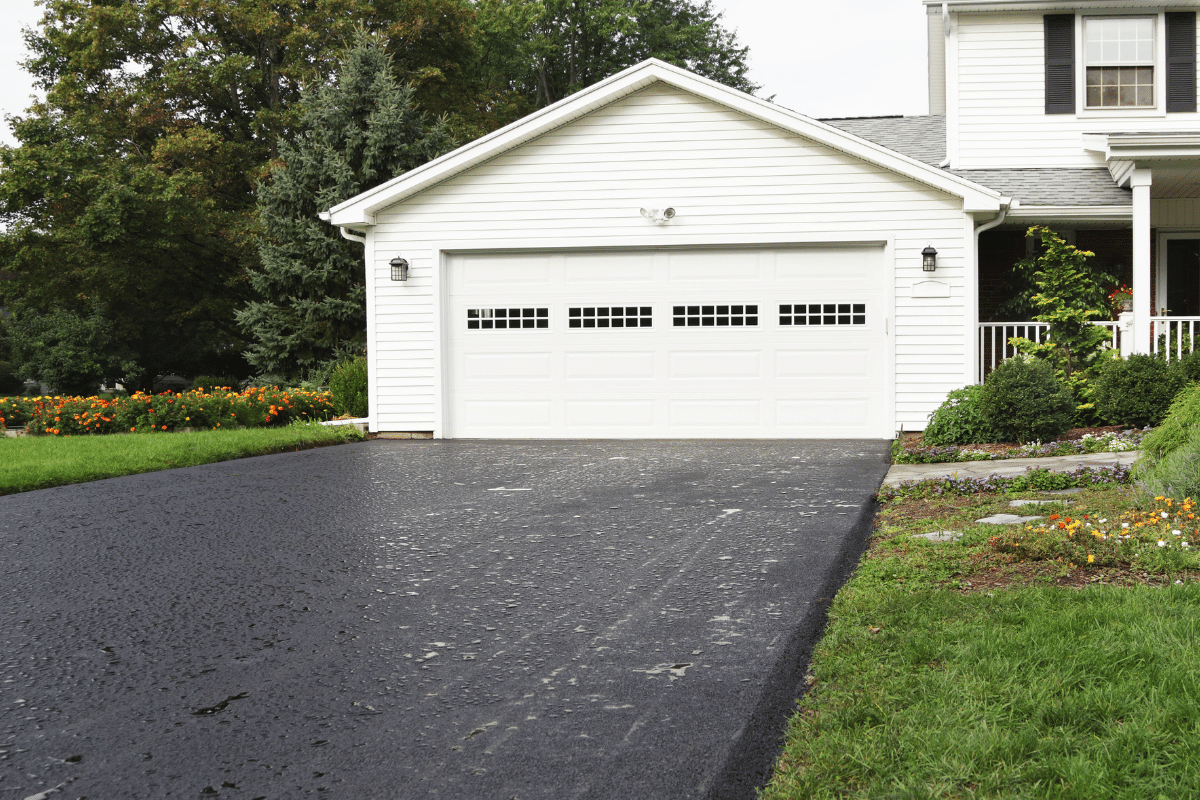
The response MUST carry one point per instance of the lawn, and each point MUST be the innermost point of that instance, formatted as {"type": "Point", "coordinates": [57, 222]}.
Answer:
{"type": "Point", "coordinates": [1004, 664]}
{"type": "Point", "coordinates": [38, 462]}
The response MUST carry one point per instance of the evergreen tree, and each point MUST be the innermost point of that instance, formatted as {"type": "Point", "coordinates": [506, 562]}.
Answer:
{"type": "Point", "coordinates": [355, 131]}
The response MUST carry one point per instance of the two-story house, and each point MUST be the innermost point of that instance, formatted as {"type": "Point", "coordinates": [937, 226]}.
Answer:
{"type": "Point", "coordinates": [661, 256]}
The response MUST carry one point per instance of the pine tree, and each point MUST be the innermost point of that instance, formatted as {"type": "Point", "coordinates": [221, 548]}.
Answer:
{"type": "Point", "coordinates": [356, 131]}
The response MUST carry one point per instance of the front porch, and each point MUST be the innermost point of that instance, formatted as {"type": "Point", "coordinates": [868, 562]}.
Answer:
{"type": "Point", "coordinates": [1152, 245]}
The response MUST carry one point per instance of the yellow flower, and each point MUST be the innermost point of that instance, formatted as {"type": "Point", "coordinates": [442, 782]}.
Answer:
{"type": "Point", "coordinates": [1091, 558]}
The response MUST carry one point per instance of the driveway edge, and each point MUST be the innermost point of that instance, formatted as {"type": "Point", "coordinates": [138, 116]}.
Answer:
{"type": "Point", "coordinates": [758, 744]}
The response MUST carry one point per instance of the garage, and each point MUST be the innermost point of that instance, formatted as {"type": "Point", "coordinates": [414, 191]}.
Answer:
{"type": "Point", "coordinates": [762, 342]}
{"type": "Point", "coordinates": [531, 283]}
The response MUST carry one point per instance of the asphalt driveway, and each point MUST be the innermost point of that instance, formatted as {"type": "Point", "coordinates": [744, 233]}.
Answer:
{"type": "Point", "coordinates": [400, 619]}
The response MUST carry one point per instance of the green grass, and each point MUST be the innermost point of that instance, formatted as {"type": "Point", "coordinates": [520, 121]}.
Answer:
{"type": "Point", "coordinates": [1034, 692]}
{"type": "Point", "coordinates": [38, 462]}
{"type": "Point", "coordinates": [956, 670]}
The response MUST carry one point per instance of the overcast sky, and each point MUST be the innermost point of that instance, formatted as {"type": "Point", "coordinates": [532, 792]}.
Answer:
{"type": "Point", "coordinates": [801, 51]}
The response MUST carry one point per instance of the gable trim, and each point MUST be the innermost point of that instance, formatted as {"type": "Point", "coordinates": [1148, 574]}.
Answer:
{"type": "Point", "coordinates": [361, 209]}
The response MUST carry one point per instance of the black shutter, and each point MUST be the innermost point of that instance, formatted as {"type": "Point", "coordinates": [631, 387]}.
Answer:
{"type": "Point", "coordinates": [1060, 63]}
{"type": "Point", "coordinates": [1181, 61]}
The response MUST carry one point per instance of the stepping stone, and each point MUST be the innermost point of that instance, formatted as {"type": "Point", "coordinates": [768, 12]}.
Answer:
{"type": "Point", "coordinates": [1019, 503]}
{"type": "Point", "coordinates": [1006, 519]}
{"type": "Point", "coordinates": [1076, 490]}
{"type": "Point", "coordinates": [939, 536]}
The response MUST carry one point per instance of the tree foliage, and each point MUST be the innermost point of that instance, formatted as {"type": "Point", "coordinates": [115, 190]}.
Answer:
{"type": "Point", "coordinates": [353, 132]}
{"type": "Point", "coordinates": [132, 190]}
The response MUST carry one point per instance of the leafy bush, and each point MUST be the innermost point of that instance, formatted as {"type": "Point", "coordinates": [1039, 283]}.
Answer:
{"type": "Point", "coordinates": [1023, 400]}
{"type": "Point", "coordinates": [9, 382]}
{"type": "Point", "coordinates": [1137, 390]}
{"type": "Point", "coordinates": [1188, 367]}
{"type": "Point", "coordinates": [211, 383]}
{"type": "Point", "coordinates": [960, 420]}
{"type": "Point", "coordinates": [348, 385]}
{"type": "Point", "coordinates": [1177, 474]}
{"type": "Point", "coordinates": [1183, 418]}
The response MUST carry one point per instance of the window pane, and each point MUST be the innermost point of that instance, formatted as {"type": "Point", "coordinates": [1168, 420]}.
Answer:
{"type": "Point", "coordinates": [1145, 95]}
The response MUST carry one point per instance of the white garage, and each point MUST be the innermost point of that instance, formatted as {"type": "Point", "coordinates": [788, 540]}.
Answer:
{"type": "Point", "coordinates": [759, 343]}
{"type": "Point", "coordinates": [785, 297]}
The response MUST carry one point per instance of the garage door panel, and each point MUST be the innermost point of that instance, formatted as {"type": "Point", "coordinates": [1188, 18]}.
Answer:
{"type": "Point", "coordinates": [507, 366]}
{"type": "Point", "coordinates": [610, 365]}
{"type": "Point", "coordinates": [839, 363]}
{"type": "Point", "coordinates": [517, 415]}
{"type": "Point", "coordinates": [613, 415]}
{"type": "Point", "coordinates": [820, 413]}
{"type": "Point", "coordinates": [715, 412]}
{"type": "Point", "coordinates": [714, 365]}
{"type": "Point", "coordinates": [774, 378]}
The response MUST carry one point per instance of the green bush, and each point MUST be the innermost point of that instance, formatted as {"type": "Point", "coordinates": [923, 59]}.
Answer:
{"type": "Point", "coordinates": [1183, 418]}
{"type": "Point", "coordinates": [1137, 390]}
{"type": "Point", "coordinates": [208, 383]}
{"type": "Point", "coordinates": [1177, 474]}
{"type": "Point", "coordinates": [1024, 401]}
{"type": "Point", "coordinates": [348, 385]}
{"type": "Point", "coordinates": [1188, 367]}
{"type": "Point", "coordinates": [960, 420]}
{"type": "Point", "coordinates": [10, 384]}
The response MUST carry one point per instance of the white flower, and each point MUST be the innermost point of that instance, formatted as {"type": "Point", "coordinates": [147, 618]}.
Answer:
{"type": "Point", "coordinates": [1161, 543]}
{"type": "Point", "coordinates": [1174, 533]}
{"type": "Point", "coordinates": [1185, 544]}
{"type": "Point", "coordinates": [1164, 515]}
{"type": "Point", "coordinates": [1104, 520]}
{"type": "Point", "coordinates": [1124, 524]}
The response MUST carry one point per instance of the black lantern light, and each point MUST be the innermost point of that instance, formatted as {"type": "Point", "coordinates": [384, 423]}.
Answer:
{"type": "Point", "coordinates": [399, 269]}
{"type": "Point", "coordinates": [929, 258]}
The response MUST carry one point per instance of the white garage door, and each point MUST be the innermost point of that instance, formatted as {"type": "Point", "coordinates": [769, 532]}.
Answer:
{"type": "Point", "coordinates": [753, 343]}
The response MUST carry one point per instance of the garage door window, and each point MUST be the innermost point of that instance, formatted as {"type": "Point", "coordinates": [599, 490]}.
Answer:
{"type": "Point", "coordinates": [823, 314]}
{"type": "Point", "coordinates": [610, 317]}
{"type": "Point", "coordinates": [507, 318]}
{"type": "Point", "coordinates": [715, 316]}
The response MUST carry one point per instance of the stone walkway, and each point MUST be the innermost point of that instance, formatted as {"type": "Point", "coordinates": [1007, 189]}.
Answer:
{"type": "Point", "coordinates": [1008, 467]}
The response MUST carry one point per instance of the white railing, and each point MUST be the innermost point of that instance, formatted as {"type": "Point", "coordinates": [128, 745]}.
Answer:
{"type": "Point", "coordinates": [1175, 337]}
{"type": "Point", "coordinates": [994, 348]}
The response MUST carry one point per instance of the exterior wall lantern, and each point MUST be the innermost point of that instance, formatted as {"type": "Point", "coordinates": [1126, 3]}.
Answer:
{"type": "Point", "coordinates": [929, 258]}
{"type": "Point", "coordinates": [399, 269]}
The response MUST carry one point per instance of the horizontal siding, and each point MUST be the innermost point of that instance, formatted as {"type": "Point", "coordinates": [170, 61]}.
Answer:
{"type": "Point", "coordinates": [1001, 101]}
{"type": "Point", "coordinates": [732, 179]}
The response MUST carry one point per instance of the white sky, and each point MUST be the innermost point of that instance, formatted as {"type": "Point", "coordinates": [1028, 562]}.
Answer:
{"type": "Point", "coordinates": [801, 51]}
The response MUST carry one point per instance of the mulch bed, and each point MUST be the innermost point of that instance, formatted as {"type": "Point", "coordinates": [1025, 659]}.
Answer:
{"type": "Point", "coordinates": [915, 439]}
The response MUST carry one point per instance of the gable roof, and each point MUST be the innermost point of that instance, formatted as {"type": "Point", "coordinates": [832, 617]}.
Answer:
{"type": "Point", "coordinates": [922, 138]}
{"type": "Point", "coordinates": [361, 209]}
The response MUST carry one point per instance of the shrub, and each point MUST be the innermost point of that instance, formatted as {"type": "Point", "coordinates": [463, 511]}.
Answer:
{"type": "Point", "coordinates": [9, 382]}
{"type": "Point", "coordinates": [1177, 474]}
{"type": "Point", "coordinates": [1182, 419]}
{"type": "Point", "coordinates": [210, 383]}
{"type": "Point", "coordinates": [1136, 391]}
{"type": "Point", "coordinates": [1024, 401]}
{"type": "Point", "coordinates": [348, 385]}
{"type": "Point", "coordinates": [960, 420]}
{"type": "Point", "coordinates": [1188, 367]}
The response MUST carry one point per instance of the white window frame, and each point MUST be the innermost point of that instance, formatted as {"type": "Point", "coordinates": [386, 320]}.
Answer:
{"type": "Point", "coordinates": [1160, 70]}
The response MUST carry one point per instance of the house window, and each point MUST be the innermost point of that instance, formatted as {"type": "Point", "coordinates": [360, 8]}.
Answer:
{"type": "Point", "coordinates": [1119, 57]}
{"type": "Point", "coordinates": [610, 317]}
{"type": "Point", "coordinates": [715, 315]}
{"type": "Point", "coordinates": [507, 318]}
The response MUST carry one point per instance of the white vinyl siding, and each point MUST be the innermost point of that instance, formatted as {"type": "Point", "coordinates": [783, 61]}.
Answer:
{"type": "Point", "coordinates": [733, 180]}
{"type": "Point", "coordinates": [1000, 94]}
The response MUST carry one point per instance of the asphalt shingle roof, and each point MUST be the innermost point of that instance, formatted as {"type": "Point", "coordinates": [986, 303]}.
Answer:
{"type": "Point", "coordinates": [924, 139]}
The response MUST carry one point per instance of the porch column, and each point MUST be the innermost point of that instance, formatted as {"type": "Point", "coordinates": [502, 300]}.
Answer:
{"type": "Point", "coordinates": [1139, 181]}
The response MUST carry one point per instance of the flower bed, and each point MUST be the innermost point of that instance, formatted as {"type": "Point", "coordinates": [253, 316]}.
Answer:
{"type": "Point", "coordinates": [1158, 531]}
{"type": "Point", "coordinates": [252, 408]}
{"type": "Point", "coordinates": [1113, 441]}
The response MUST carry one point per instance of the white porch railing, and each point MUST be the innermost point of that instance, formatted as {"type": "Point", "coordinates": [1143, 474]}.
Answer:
{"type": "Point", "coordinates": [1174, 336]}
{"type": "Point", "coordinates": [994, 348]}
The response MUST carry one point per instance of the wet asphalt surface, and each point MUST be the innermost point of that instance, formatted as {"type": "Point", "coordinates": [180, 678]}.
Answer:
{"type": "Point", "coordinates": [395, 619]}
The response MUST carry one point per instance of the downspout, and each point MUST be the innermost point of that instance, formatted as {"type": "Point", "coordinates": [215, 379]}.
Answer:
{"type": "Point", "coordinates": [348, 235]}
{"type": "Point", "coordinates": [973, 300]}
